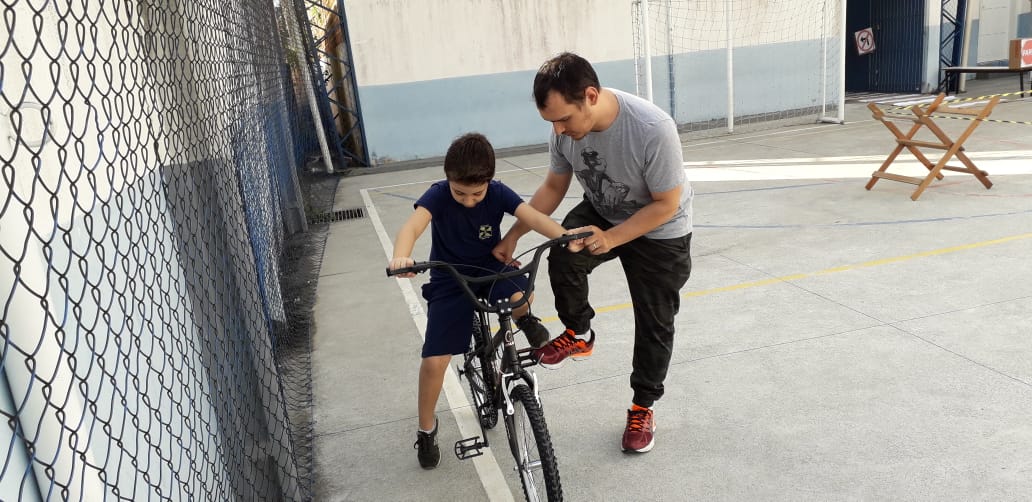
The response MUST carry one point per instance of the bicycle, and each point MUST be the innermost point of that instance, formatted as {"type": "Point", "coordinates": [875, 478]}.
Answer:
{"type": "Point", "coordinates": [500, 379]}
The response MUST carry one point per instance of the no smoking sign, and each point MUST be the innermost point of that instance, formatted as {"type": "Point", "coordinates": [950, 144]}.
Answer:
{"type": "Point", "coordinates": [864, 41]}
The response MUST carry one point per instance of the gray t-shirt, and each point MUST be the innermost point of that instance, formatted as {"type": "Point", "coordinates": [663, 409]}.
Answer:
{"type": "Point", "coordinates": [619, 168]}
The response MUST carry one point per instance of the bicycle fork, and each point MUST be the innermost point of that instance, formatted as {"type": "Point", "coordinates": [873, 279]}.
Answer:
{"type": "Point", "coordinates": [513, 360]}
{"type": "Point", "coordinates": [472, 447]}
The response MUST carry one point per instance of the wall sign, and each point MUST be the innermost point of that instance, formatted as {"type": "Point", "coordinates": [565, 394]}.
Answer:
{"type": "Point", "coordinates": [864, 41]}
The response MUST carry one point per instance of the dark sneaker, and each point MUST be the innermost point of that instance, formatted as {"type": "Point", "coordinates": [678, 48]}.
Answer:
{"type": "Point", "coordinates": [426, 448]}
{"type": "Point", "coordinates": [553, 355]}
{"type": "Point", "coordinates": [531, 327]}
{"type": "Point", "coordinates": [639, 436]}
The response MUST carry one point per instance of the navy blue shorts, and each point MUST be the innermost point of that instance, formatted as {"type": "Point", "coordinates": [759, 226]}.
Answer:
{"type": "Point", "coordinates": [449, 323]}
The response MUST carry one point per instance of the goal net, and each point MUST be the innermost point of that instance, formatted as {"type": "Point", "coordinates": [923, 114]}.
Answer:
{"type": "Point", "coordinates": [719, 64]}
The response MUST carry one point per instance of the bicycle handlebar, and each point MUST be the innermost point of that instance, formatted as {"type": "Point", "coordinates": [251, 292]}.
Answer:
{"type": "Point", "coordinates": [465, 281]}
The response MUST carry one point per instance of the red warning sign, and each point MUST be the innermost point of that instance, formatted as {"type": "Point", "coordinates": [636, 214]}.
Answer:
{"type": "Point", "coordinates": [1020, 53]}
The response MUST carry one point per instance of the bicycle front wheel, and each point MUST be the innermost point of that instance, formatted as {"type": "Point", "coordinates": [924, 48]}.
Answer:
{"type": "Point", "coordinates": [532, 447]}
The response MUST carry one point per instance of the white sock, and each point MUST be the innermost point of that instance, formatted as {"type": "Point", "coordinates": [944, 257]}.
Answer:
{"type": "Point", "coordinates": [431, 430]}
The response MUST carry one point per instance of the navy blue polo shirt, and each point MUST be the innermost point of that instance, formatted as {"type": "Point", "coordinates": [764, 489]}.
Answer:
{"type": "Point", "coordinates": [463, 235]}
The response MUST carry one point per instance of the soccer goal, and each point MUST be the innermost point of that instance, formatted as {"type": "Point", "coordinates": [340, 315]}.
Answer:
{"type": "Point", "coordinates": [720, 63]}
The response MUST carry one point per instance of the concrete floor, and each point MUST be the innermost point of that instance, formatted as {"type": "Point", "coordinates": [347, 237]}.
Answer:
{"type": "Point", "coordinates": [833, 343]}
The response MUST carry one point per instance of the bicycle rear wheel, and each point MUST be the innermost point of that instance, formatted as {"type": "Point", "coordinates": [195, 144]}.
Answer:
{"type": "Point", "coordinates": [479, 368]}
{"type": "Point", "coordinates": [532, 447]}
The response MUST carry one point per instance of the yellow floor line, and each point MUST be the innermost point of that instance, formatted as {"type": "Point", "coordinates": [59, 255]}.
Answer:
{"type": "Point", "coordinates": [833, 270]}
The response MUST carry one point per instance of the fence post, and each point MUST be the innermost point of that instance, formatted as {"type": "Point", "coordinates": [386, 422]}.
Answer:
{"type": "Point", "coordinates": [646, 46]}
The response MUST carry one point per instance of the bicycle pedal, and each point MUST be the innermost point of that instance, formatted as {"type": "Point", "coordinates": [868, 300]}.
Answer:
{"type": "Point", "coordinates": [468, 448]}
{"type": "Point", "coordinates": [527, 357]}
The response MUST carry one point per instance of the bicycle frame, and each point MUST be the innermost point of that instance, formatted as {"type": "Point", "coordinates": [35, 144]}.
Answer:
{"type": "Point", "coordinates": [505, 383]}
{"type": "Point", "coordinates": [511, 368]}
{"type": "Point", "coordinates": [513, 363]}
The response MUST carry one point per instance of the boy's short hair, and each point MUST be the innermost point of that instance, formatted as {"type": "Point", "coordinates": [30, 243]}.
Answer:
{"type": "Point", "coordinates": [568, 74]}
{"type": "Point", "coordinates": [470, 160]}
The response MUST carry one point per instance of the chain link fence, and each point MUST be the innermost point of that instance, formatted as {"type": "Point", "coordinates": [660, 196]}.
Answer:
{"type": "Point", "coordinates": [151, 222]}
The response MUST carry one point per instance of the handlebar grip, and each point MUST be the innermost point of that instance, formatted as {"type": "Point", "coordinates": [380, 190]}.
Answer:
{"type": "Point", "coordinates": [573, 237]}
{"type": "Point", "coordinates": [417, 267]}
{"type": "Point", "coordinates": [565, 239]}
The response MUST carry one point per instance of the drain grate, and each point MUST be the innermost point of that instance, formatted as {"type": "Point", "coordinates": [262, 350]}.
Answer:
{"type": "Point", "coordinates": [338, 215]}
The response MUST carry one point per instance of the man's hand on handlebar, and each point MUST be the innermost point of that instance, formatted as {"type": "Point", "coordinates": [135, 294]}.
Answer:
{"type": "Point", "coordinates": [507, 246]}
{"type": "Point", "coordinates": [397, 263]}
{"type": "Point", "coordinates": [596, 243]}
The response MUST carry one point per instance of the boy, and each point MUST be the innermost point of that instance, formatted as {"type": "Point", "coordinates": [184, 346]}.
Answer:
{"type": "Point", "coordinates": [466, 209]}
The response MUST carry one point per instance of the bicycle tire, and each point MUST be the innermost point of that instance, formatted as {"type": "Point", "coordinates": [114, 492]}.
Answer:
{"type": "Point", "coordinates": [531, 447]}
{"type": "Point", "coordinates": [480, 373]}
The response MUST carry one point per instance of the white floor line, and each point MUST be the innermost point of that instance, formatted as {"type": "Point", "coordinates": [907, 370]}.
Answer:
{"type": "Point", "coordinates": [427, 182]}
{"type": "Point", "coordinates": [972, 103]}
{"type": "Point", "coordinates": [487, 466]}
{"type": "Point", "coordinates": [794, 161]}
{"type": "Point", "coordinates": [749, 136]}
{"type": "Point", "coordinates": [886, 97]}
{"type": "Point", "coordinates": [1014, 162]}
{"type": "Point", "coordinates": [800, 169]}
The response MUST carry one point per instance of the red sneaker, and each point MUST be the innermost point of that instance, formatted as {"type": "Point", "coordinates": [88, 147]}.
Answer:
{"type": "Point", "coordinates": [639, 436]}
{"type": "Point", "coordinates": [553, 355]}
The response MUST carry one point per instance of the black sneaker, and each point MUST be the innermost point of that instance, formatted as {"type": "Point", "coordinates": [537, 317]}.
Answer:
{"type": "Point", "coordinates": [426, 448]}
{"type": "Point", "coordinates": [536, 334]}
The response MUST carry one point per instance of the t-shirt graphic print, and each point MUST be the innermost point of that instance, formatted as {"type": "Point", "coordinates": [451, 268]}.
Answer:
{"type": "Point", "coordinates": [607, 195]}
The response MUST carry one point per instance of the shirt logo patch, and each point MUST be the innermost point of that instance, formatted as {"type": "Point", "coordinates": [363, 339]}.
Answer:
{"type": "Point", "coordinates": [486, 232]}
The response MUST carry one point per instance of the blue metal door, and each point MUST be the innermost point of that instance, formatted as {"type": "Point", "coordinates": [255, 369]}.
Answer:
{"type": "Point", "coordinates": [897, 61]}
{"type": "Point", "coordinates": [858, 17]}
{"type": "Point", "coordinates": [899, 34]}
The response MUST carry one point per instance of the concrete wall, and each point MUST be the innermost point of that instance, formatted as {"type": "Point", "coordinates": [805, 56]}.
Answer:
{"type": "Point", "coordinates": [993, 24]}
{"type": "Point", "coordinates": [430, 71]}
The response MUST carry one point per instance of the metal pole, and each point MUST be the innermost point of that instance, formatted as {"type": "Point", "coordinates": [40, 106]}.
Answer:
{"type": "Point", "coordinates": [961, 81]}
{"type": "Point", "coordinates": [840, 117]}
{"type": "Point", "coordinates": [647, 48]}
{"type": "Point", "coordinates": [824, 59]}
{"type": "Point", "coordinates": [359, 123]}
{"type": "Point", "coordinates": [670, 58]}
{"type": "Point", "coordinates": [295, 28]}
{"type": "Point", "coordinates": [842, 66]}
{"type": "Point", "coordinates": [730, 69]}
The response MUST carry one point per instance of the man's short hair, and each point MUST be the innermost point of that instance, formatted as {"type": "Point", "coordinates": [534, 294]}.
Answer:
{"type": "Point", "coordinates": [470, 160]}
{"type": "Point", "coordinates": [568, 74]}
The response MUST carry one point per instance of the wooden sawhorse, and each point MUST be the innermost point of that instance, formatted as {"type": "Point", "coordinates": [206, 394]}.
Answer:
{"type": "Point", "coordinates": [923, 118]}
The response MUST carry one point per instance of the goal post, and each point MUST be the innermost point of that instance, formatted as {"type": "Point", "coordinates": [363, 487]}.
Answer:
{"type": "Point", "coordinates": [721, 63]}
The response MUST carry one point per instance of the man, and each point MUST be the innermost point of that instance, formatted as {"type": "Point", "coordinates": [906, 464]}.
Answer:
{"type": "Point", "coordinates": [626, 154]}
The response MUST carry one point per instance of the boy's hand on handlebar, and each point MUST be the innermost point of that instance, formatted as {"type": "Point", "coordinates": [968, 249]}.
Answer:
{"type": "Point", "coordinates": [503, 252]}
{"type": "Point", "coordinates": [397, 263]}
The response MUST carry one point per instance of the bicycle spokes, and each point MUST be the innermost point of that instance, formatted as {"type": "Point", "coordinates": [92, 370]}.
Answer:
{"type": "Point", "coordinates": [531, 447]}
